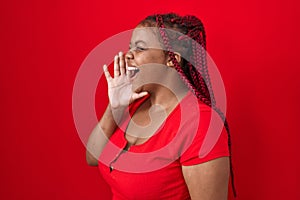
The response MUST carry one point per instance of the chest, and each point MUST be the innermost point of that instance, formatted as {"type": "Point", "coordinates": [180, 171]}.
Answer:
{"type": "Point", "coordinates": [164, 183]}
{"type": "Point", "coordinates": [145, 123]}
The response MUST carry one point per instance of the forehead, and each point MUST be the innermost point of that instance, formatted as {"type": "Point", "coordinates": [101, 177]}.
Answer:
{"type": "Point", "coordinates": [148, 35]}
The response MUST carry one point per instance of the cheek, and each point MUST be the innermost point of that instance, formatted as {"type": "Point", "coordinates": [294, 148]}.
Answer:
{"type": "Point", "coordinates": [155, 57]}
{"type": "Point", "coordinates": [158, 59]}
{"type": "Point", "coordinates": [150, 56]}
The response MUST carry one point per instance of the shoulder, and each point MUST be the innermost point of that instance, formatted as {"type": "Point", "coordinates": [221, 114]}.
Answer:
{"type": "Point", "coordinates": [205, 136]}
{"type": "Point", "coordinates": [192, 108]}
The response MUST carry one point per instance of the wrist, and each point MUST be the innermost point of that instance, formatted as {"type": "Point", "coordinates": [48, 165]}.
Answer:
{"type": "Point", "coordinates": [116, 107]}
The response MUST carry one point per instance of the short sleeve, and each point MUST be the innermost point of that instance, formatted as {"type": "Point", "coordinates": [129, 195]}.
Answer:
{"type": "Point", "coordinates": [210, 140]}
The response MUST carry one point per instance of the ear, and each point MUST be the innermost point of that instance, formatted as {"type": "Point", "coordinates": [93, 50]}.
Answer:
{"type": "Point", "coordinates": [178, 58]}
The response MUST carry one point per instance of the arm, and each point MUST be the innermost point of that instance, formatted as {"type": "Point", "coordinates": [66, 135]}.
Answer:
{"type": "Point", "coordinates": [209, 180]}
{"type": "Point", "coordinates": [100, 135]}
{"type": "Point", "coordinates": [120, 94]}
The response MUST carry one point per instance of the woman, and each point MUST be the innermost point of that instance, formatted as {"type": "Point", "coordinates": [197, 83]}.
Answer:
{"type": "Point", "coordinates": [153, 145]}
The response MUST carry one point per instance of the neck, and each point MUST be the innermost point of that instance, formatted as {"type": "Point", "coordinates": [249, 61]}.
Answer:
{"type": "Point", "coordinates": [164, 86]}
{"type": "Point", "coordinates": [165, 97]}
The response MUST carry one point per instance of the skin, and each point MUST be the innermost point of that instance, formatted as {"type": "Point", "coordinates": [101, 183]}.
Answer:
{"type": "Point", "coordinates": [209, 180]}
{"type": "Point", "coordinates": [206, 181]}
{"type": "Point", "coordinates": [145, 49]}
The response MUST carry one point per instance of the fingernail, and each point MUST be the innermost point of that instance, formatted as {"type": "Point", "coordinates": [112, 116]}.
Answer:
{"type": "Point", "coordinates": [120, 53]}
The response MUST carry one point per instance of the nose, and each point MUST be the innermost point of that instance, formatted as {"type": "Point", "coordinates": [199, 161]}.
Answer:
{"type": "Point", "coordinates": [129, 55]}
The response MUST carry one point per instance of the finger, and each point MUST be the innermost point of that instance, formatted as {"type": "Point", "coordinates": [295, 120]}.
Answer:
{"type": "Point", "coordinates": [122, 63]}
{"type": "Point", "coordinates": [106, 73]}
{"type": "Point", "coordinates": [116, 66]}
{"type": "Point", "coordinates": [136, 96]}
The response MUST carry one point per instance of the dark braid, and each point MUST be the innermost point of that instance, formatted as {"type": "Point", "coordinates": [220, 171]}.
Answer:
{"type": "Point", "coordinates": [198, 83]}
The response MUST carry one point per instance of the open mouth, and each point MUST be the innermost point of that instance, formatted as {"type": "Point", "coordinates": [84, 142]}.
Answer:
{"type": "Point", "coordinates": [132, 71]}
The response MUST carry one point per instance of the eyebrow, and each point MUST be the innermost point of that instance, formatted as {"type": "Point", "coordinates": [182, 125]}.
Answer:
{"type": "Point", "coordinates": [138, 41]}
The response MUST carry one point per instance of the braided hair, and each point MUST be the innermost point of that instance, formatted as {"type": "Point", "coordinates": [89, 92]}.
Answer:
{"type": "Point", "coordinates": [194, 72]}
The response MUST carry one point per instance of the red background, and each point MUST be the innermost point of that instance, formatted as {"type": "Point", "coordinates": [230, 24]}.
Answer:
{"type": "Point", "coordinates": [43, 43]}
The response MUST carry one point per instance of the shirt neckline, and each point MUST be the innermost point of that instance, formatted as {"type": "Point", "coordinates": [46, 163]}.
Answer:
{"type": "Point", "coordinates": [135, 107]}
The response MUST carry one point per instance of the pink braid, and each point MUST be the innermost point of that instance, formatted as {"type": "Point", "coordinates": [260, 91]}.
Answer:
{"type": "Point", "coordinates": [202, 81]}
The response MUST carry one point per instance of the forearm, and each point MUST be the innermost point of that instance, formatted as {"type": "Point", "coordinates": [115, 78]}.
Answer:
{"type": "Point", "coordinates": [110, 120]}
{"type": "Point", "coordinates": [101, 133]}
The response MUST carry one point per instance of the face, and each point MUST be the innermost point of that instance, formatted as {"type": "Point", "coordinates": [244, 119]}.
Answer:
{"type": "Point", "coordinates": [145, 53]}
{"type": "Point", "coordinates": [145, 48]}
{"type": "Point", "coordinates": [155, 69]}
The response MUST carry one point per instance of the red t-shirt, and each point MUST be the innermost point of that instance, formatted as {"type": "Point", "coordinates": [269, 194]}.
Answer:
{"type": "Point", "coordinates": [152, 170]}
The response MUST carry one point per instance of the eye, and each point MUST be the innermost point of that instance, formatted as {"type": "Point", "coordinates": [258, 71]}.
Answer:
{"type": "Point", "coordinates": [139, 48]}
